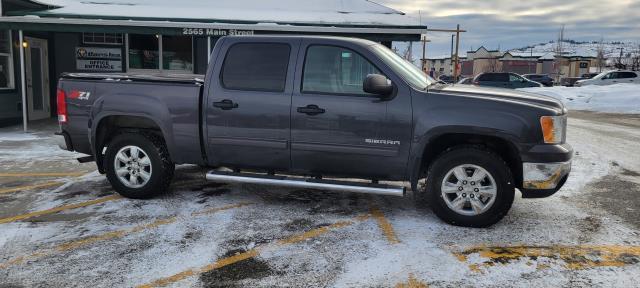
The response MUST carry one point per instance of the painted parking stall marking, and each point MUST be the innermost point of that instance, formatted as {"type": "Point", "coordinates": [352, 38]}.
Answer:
{"type": "Point", "coordinates": [252, 253]}
{"type": "Point", "coordinates": [30, 187]}
{"type": "Point", "coordinates": [75, 244]}
{"type": "Point", "coordinates": [44, 174]}
{"type": "Point", "coordinates": [39, 185]}
{"type": "Point", "coordinates": [384, 225]}
{"type": "Point", "coordinates": [574, 257]}
{"type": "Point", "coordinates": [59, 209]}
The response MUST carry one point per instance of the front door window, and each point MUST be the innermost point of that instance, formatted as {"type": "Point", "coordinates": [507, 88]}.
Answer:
{"type": "Point", "coordinates": [335, 70]}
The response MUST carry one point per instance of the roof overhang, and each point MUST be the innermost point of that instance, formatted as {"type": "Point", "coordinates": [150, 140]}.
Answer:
{"type": "Point", "coordinates": [34, 23]}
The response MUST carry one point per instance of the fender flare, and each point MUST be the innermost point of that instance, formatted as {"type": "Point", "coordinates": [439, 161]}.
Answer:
{"type": "Point", "coordinates": [99, 113]}
{"type": "Point", "coordinates": [416, 161]}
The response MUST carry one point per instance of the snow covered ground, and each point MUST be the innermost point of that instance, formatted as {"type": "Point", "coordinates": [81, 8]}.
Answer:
{"type": "Point", "coordinates": [619, 98]}
{"type": "Point", "coordinates": [206, 234]}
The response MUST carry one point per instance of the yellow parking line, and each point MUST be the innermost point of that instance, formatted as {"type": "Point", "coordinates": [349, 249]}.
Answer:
{"type": "Point", "coordinates": [412, 283]}
{"type": "Point", "coordinates": [574, 257]}
{"type": "Point", "coordinates": [30, 187]}
{"type": "Point", "coordinates": [218, 209]}
{"type": "Point", "coordinates": [384, 225]}
{"type": "Point", "coordinates": [251, 253]}
{"type": "Point", "coordinates": [74, 244]}
{"type": "Point", "coordinates": [44, 174]}
{"type": "Point", "coordinates": [60, 208]}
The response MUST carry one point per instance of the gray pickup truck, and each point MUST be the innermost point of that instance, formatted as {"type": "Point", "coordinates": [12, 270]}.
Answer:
{"type": "Point", "coordinates": [325, 113]}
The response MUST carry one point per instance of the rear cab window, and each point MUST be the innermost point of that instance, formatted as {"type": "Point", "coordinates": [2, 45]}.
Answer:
{"type": "Point", "coordinates": [256, 67]}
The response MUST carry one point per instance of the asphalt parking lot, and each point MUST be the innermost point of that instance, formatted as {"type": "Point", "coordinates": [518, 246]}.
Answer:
{"type": "Point", "coordinates": [61, 225]}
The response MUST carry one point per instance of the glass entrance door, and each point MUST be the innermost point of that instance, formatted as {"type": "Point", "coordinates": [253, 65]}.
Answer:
{"type": "Point", "coordinates": [37, 68]}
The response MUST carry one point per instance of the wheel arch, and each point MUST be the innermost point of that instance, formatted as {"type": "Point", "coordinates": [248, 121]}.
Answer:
{"type": "Point", "coordinates": [436, 143]}
{"type": "Point", "coordinates": [108, 126]}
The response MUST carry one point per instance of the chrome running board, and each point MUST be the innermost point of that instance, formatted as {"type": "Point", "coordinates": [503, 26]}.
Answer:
{"type": "Point", "coordinates": [312, 183]}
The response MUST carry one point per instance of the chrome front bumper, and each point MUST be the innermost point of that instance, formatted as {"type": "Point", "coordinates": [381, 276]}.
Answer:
{"type": "Point", "coordinates": [544, 176]}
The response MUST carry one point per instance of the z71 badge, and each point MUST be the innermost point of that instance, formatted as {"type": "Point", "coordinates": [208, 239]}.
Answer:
{"type": "Point", "coordinates": [80, 95]}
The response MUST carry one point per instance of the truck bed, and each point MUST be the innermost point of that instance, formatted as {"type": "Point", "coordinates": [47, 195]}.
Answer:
{"type": "Point", "coordinates": [171, 101]}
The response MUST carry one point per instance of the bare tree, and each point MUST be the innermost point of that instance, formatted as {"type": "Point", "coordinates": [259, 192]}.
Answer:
{"type": "Point", "coordinates": [620, 63]}
{"type": "Point", "coordinates": [635, 66]}
{"type": "Point", "coordinates": [601, 57]}
{"type": "Point", "coordinates": [559, 52]}
{"type": "Point", "coordinates": [408, 54]}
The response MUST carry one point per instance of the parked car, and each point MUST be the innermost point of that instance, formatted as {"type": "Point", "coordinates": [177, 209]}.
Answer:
{"type": "Point", "coordinates": [466, 80]}
{"type": "Point", "coordinates": [294, 111]}
{"type": "Point", "coordinates": [504, 80]}
{"type": "Point", "coordinates": [570, 81]}
{"type": "Point", "coordinates": [543, 79]}
{"type": "Point", "coordinates": [446, 79]}
{"type": "Point", "coordinates": [610, 78]}
{"type": "Point", "coordinates": [589, 75]}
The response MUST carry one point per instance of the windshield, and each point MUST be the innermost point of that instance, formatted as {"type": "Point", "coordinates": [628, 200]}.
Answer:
{"type": "Point", "coordinates": [409, 72]}
{"type": "Point", "coordinates": [601, 75]}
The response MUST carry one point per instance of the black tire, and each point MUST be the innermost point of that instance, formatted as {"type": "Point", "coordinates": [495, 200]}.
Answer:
{"type": "Point", "coordinates": [161, 165]}
{"type": "Point", "coordinates": [474, 155]}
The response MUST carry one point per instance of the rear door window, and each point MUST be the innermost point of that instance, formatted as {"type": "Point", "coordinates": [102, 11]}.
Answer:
{"type": "Point", "coordinates": [501, 77]}
{"type": "Point", "coordinates": [256, 67]}
{"type": "Point", "coordinates": [626, 75]}
{"type": "Point", "coordinates": [335, 70]}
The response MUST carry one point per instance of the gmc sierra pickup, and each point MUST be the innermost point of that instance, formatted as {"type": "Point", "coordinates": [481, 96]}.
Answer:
{"type": "Point", "coordinates": [320, 112]}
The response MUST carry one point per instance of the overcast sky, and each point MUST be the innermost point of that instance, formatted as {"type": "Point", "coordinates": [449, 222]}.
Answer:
{"type": "Point", "coordinates": [513, 24]}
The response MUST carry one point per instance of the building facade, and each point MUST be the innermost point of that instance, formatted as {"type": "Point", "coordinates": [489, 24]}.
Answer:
{"type": "Point", "coordinates": [483, 60]}
{"type": "Point", "coordinates": [40, 40]}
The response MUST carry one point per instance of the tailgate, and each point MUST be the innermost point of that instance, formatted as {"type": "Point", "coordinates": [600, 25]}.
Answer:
{"type": "Point", "coordinates": [79, 97]}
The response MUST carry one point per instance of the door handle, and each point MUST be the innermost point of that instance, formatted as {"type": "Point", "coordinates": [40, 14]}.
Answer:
{"type": "Point", "coordinates": [225, 104]}
{"type": "Point", "coordinates": [311, 110]}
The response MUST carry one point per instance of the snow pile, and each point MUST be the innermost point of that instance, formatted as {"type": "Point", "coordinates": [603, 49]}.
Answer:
{"type": "Point", "coordinates": [619, 98]}
{"type": "Point", "coordinates": [17, 136]}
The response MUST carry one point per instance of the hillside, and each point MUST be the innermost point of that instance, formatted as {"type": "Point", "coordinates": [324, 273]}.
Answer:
{"type": "Point", "coordinates": [611, 49]}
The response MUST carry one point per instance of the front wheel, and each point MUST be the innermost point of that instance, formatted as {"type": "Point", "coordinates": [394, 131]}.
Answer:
{"type": "Point", "coordinates": [470, 186]}
{"type": "Point", "coordinates": [138, 165]}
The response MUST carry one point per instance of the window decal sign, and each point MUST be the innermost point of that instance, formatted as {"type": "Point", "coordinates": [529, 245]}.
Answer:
{"type": "Point", "coordinates": [99, 59]}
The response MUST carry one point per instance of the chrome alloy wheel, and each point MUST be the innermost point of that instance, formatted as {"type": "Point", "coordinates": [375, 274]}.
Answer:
{"type": "Point", "coordinates": [132, 166]}
{"type": "Point", "coordinates": [469, 190]}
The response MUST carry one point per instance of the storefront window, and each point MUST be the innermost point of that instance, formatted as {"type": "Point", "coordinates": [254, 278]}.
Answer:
{"type": "Point", "coordinates": [161, 52]}
{"type": "Point", "coordinates": [6, 60]}
{"type": "Point", "coordinates": [144, 52]}
{"type": "Point", "coordinates": [177, 53]}
{"type": "Point", "coordinates": [102, 38]}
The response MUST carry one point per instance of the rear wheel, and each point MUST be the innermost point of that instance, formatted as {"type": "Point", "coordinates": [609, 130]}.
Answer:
{"type": "Point", "coordinates": [469, 186]}
{"type": "Point", "coordinates": [138, 165]}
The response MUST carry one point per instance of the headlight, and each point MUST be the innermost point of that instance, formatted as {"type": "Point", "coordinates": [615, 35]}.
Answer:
{"type": "Point", "coordinates": [553, 128]}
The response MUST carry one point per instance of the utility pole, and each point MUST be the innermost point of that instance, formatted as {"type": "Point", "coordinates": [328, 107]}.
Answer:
{"type": "Point", "coordinates": [451, 58]}
{"type": "Point", "coordinates": [534, 63]}
{"type": "Point", "coordinates": [455, 73]}
{"type": "Point", "coordinates": [620, 58]}
{"type": "Point", "coordinates": [424, 52]}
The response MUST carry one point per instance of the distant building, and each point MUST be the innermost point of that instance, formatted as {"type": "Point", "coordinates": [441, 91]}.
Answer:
{"type": "Point", "coordinates": [483, 60]}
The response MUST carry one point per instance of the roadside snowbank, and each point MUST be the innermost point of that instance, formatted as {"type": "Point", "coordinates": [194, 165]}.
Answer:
{"type": "Point", "coordinates": [619, 98]}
